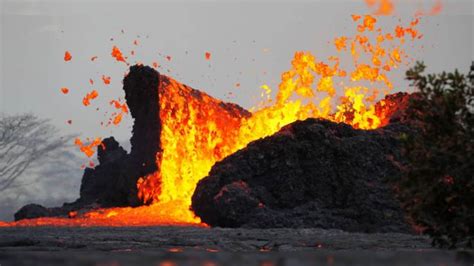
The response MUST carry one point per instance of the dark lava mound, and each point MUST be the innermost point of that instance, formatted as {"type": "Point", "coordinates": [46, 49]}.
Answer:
{"type": "Point", "coordinates": [312, 173]}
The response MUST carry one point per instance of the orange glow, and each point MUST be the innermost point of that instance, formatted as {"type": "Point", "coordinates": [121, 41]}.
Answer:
{"type": "Point", "coordinates": [436, 9]}
{"type": "Point", "coordinates": [196, 132]}
{"type": "Point", "coordinates": [368, 24]}
{"type": "Point", "coordinates": [67, 56]}
{"type": "Point", "coordinates": [106, 79]}
{"type": "Point", "coordinates": [117, 119]}
{"type": "Point", "coordinates": [383, 7]}
{"type": "Point", "coordinates": [117, 116]}
{"type": "Point", "coordinates": [90, 96]}
{"type": "Point", "coordinates": [387, 7]}
{"type": "Point", "coordinates": [117, 54]}
{"type": "Point", "coordinates": [65, 90]}
{"type": "Point", "coordinates": [207, 55]}
{"type": "Point", "coordinates": [340, 43]}
{"type": "Point", "coordinates": [88, 149]}
{"type": "Point", "coordinates": [355, 17]}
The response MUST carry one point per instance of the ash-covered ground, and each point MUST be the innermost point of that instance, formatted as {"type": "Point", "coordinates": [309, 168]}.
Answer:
{"type": "Point", "coordinates": [217, 246]}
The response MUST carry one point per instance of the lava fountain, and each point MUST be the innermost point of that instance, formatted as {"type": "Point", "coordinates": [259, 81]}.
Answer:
{"type": "Point", "coordinates": [198, 130]}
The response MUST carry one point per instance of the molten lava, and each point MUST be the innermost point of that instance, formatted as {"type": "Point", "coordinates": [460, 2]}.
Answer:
{"type": "Point", "coordinates": [196, 133]}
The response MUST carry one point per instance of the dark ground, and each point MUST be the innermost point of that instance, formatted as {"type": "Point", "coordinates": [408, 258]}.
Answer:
{"type": "Point", "coordinates": [204, 246]}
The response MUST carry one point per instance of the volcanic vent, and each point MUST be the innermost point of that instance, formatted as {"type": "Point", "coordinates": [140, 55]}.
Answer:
{"type": "Point", "coordinates": [165, 113]}
{"type": "Point", "coordinates": [179, 133]}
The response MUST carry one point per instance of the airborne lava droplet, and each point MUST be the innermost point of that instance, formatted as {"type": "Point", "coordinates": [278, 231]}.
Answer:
{"type": "Point", "coordinates": [373, 52]}
{"type": "Point", "coordinates": [65, 90]}
{"type": "Point", "coordinates": [117, 54]}
{"type": "Point", "coordinates": [123, 109]}
{"type": "Point", "coordinates": [88, 150]}
{"type": "Point", "coordinates": [368, 24]}
{"type": "Point", "coordinates": [117, 119]}
{"type": "Point", "coordinates": [340, 43]}
{"type": "Point", "coordinates": [355, 17]}
{"type": "Point", "coordinates": [90, 96]}
{"type": "Point", "coordinates": [67, 56]}
{"type": "Point", "coordinates": [208, 56]}
{"type": "Point", "coordinates": [94, 58]}
{"type": "Point", "coordinates": [106, 79]}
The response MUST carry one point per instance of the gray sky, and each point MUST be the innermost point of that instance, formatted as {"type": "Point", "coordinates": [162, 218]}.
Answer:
{"type": "Point", "coordinates": [35, 34]}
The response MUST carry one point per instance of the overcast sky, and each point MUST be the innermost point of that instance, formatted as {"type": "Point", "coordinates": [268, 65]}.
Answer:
{"type": "Point", "coordinates": [251, 42]}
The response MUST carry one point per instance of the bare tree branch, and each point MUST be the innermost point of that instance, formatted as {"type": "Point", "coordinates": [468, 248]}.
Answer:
{"type": "Point", "coordinates": [25, 142]}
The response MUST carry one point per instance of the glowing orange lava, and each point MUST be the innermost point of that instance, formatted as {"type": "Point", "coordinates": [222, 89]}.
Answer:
{"type": "Point", "coordinates": [89, 149]}
{"type": "Point", "coordinates": [86, 101]}
{"type": "Point", "coordinates": [106, 79]}
{"type": "Point", "coordinates": [196, 133]}
{"type": "Point", "coordinates": [195, 136]}
{"type": "Point", "coordinates": [122, 110]}
{"type": "Point", "coordinates": [67, 56]}
{"type": "Point", "coordinates": [117, 54]}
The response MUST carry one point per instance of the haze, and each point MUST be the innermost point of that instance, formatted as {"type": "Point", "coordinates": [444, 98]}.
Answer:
{"type": "Point", "coordinates": [251, 43]}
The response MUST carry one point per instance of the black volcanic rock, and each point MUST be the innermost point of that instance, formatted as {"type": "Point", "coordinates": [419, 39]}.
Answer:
{"type": "Point", "coordinates": [141, 93]}
{"type": "Point", "coordinates": [107, 184]}
{"type": "Point", "coordinates": [32, 211]}
{"type": "Point", "coordinates": [312, 173]}
{"type": "Point", "coordinates": [110, 151]}
{"type": "Point", "coordinates": [114, 181]}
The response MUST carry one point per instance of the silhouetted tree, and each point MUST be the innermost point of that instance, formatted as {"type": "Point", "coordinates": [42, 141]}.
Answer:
{"type": "Point", "coordinates": [438, 188]}
{"type": "Point", "coordinates": [25, 142]}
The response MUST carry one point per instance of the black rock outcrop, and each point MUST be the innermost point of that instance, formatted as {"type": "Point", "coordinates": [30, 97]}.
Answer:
{"type": "Point", "coordinates": [312, 173]}
{"type": "Point", "coordinates": [113, 182]}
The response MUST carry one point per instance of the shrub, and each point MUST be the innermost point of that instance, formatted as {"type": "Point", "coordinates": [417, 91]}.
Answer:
{"type": "Point", "coordinates": [437, 189]}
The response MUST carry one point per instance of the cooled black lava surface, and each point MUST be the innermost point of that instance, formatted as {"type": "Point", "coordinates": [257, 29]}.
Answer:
{"type": "Point", "coordinates": [312, 173]}
{"type": "Point", "coordinates": [217, 246]}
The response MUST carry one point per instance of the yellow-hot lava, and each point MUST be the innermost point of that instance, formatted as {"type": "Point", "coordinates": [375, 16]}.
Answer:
{"type": "Point", "coordinates": [195, 134]}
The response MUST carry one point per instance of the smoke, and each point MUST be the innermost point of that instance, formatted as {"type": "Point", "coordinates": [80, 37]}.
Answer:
{"type": "Point", "coordinates": [56, 181]}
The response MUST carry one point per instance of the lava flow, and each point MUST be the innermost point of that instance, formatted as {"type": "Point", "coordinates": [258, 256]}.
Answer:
{"type": "Point", "coordinates": [194, 136]}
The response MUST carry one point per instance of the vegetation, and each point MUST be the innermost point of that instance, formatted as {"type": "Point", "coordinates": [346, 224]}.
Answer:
{"type": "Point", "coordinates": [438, 187]}
{"type": "Point", "coordinates": [25, 142]}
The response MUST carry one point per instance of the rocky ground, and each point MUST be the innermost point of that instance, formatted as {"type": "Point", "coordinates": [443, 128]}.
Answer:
{"type": "Point", "coordinates": [216, 246]}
